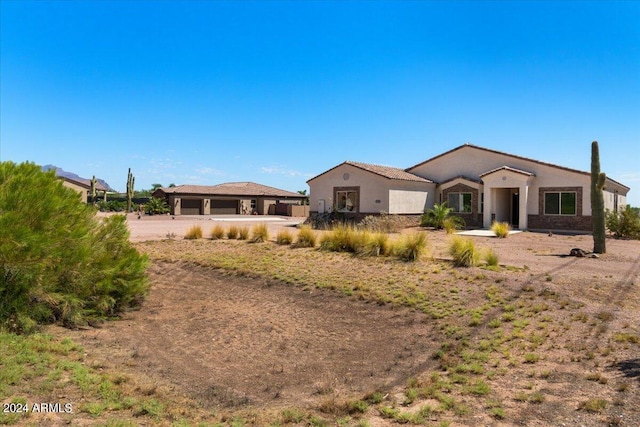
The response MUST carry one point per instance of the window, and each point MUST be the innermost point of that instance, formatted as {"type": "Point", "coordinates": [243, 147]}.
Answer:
{"type": "Point", "coordinates": [459, 202]}
{"type": "Point", "coordinates": [560, 203]}
{"type": "Point", "coordinates": [346, 201]}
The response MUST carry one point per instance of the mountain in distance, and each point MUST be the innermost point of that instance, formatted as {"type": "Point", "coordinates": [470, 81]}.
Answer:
{"type": "Point", "coordinates": [63, 173]}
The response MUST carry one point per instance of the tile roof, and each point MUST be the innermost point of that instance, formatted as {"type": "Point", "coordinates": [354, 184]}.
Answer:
{"type": "Point", "coordinates": [84, 183]}
{"type": "Point", "coordinates": [231, 189]}
{"type": "Point", "coordinates": [388, 172]}
{"type": "Point", "coordinates": [508, 168]}
{"type": "Point", "coordinates": [489, 150]}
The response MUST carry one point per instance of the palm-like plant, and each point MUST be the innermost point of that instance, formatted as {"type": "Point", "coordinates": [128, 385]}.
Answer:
{"type": "Point", "coordinates": [437, 216]}
{"type": "Point", "coordinates": [156, 206]}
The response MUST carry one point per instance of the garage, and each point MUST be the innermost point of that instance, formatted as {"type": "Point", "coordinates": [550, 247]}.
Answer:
{"type": "Point", "coordinates": [224, 207]}
{"type": "Point", "coordinates": [191, 207]}
{"type": "Point", "coordinates": [230, 198]}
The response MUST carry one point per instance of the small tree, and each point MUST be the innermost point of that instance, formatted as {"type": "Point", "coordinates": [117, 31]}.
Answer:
{"type": "Point", "coordinates": [58, 262]}
{"type": "Point", "coordinates": [597, 202]}
{"type": "Point", "coordinates": [438, 215]}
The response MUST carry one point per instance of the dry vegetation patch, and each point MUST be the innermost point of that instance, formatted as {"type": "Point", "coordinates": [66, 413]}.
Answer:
{"type": "Point", "coordinates": [266, 334]}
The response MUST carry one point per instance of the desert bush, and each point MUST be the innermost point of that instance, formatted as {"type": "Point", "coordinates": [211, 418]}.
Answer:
{"type": "Point", "coordinates": [624, 224]}
{"type": "Point", "coordinates": [344, 238]}
{"type": "Point", "coordinates": [58, 262]}
{"type": "Point", "coordinates": [501, 229]}
{"type": "Point", "coordinates": [259, 233]}
{"type": "Point", "coordinates": [491, 257]}
{"type": "Point", "coordinates": [383, 223]}
{"type": "Point", "coordinates": [112, 206]}
{"type": "Point", "coordinates": [410, 247]}
{"type": "Point", "coordinates": [243, 233]}
{"type": "Point", "coordinates": [436, 216]}
{"type": "Point", "coordinates": [232, 232]}
{"type": "Point", "coordinates": [464, 252]}
{"type": "Point", "coordinates": [306, 237]}
{"type": "Point", "coordinates": [195, 232]}
{"type": "Point", "coordinates": [284, 237]}
{"type": "Point", "coordinates": [155, 206]}
{"type": "Point", "coordinates": [376, 244]}
{"type": "Point", "coordinates": [452, 224]}
{"type": "Point", "coordinates": [217, 232]}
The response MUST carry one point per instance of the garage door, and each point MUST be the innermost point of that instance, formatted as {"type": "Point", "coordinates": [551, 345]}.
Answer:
{"type": "Point", "coordinates": [190, 207]}
{"type": "Point", "coordinates": [224, 207]}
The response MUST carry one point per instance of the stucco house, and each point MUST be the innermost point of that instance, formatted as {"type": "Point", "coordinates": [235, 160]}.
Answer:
{"type": "Point", "coordinates": [480, 184]}
{"type": "Point", "coordinates": [230, 198]}
{"type": "Point", "coordinates": [83, 187]}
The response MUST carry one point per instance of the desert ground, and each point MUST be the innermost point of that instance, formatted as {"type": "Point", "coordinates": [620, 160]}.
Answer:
{"type": "Point", "coordinates": [262, 334]}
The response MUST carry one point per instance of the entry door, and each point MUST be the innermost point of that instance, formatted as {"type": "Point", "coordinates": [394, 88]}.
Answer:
{"type": "Point", "coordinates": [515, 210]}
{"type": "Point", "coordinates": [321, 206]}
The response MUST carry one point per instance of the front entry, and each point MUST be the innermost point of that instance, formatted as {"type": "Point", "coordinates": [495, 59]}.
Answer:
{"type": "Point", "coordinates": [515, 210]}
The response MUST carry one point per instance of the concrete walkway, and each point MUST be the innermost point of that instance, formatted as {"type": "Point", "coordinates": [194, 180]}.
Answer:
{"type": "Point", "coordinates": [483, 233]}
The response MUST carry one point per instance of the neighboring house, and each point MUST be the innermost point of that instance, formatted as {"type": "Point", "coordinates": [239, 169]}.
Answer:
{"type": "Point", "coordinates": [231, 198]}
{"type": "Point", "coordinates": [480, 184]}
{"type": "Point", "coordinates": [83, 186]}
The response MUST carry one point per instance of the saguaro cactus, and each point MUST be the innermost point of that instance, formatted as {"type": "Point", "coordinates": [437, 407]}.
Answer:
{"type": "Point", "coordinates": [130, 182]}
{"type": "Point", "coordinates": [597, 201]}
{"type": "Point", "coordinates": [93, 190]}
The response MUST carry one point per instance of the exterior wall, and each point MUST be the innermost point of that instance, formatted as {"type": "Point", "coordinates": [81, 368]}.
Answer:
{"type": "Point", "coordinates": [81, 190]}
{"type": "Point", "coordinates": [262, 205]}
{"type": "Point", "coordinates": [407, 201]}
{"type": "Point", "coordinates": [579, 221]}
{"type": "Point", "coordinates": [472, 162]}
{"type": "Point", "coordinates": [375, 191]}
{"type": "Point", "coordinates": [474, 218]}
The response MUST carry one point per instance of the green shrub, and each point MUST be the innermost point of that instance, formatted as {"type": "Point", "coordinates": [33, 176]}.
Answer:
{"type": "Point", "coordinates": [501, 229]}
{"type": "Point", "coordinates": [259, 233]}
{"type": "Point", "coordinates": [155, 206]}
{"type": "Point", "coordinates": [195, 232]}
{"type": "Point", "coordinates": [58, 262]}
{"type": "Point", "coordinates": [436, 216]}
{"type": "Point", "coordinates": [232, 232]}
{"type": "Point", "coordinates": [217, 232]}
{"type": "Point", "coordinates": [410, 247]}
{"type": "Point", "coordinates": [463, 251]}
{"type": "Point", "coordinates": [306, 237]}
{"type": "Point", "coordinates": [243, 233]}
{"type": "Point", "coordinates": [284, 237]}
{"type": "Point", "coordinates": [625, 223]}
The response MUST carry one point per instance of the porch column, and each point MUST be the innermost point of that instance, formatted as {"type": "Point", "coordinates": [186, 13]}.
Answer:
{"type": "Point", "coordinates": [488, 206]}
{"type": "Point", "coordinates": [522, 209]}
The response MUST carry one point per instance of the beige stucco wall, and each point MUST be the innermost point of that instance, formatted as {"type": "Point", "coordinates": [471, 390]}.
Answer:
{"type": "Point", "coordinates": [81, 190]}
{"type": "Point", "coordinates": [374, 191]}
{"type": "Point", "coordinates": [472, 162]}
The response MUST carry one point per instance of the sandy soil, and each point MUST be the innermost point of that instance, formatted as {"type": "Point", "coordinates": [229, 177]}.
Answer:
{"type": "Point", "coordinates": [231, 342]}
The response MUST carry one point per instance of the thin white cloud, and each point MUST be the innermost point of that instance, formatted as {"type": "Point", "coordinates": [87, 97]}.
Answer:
{"type": "Point", "coordinates": [630, 177]}
{"type": "Point", "coordinates": [280, 170]}
{"type": "Point", "coordinates": [209, 171]}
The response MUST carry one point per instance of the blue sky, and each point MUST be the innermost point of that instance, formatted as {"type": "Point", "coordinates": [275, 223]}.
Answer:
{"type": "Point", "coordinates": [204, 92]}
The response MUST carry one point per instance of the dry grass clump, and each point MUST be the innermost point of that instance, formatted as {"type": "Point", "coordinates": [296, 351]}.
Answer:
{"type": "Point", "coordinates": [259, 233]}
{"type": "Point", "coordinates": [491, 257]}
{"type": "Point", "coordinates": [306, 237]}
{"type": "Point", "coordinates": [284, 237]}
{"type": "Point", "coordinates": [232, 232]}
{"type": "Point", "coordinates": [464, 252]}
{"type": "Point", "coordinates": [344, 238]}
{"type": "Point", "coordinates": [243, 233]}
{"type": "Point", "coordinates": [217, 232]}
{"type": "Point", "coordinates": [501, 229]}
{"type": "Point", "coordinates": [376, 244]}
{"type": "Point", "coordinates": [452, 223]}
{"type": "Point", "coordinates": [195, 232]}
{"type": "Point", "coordinates": [410, 247]}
